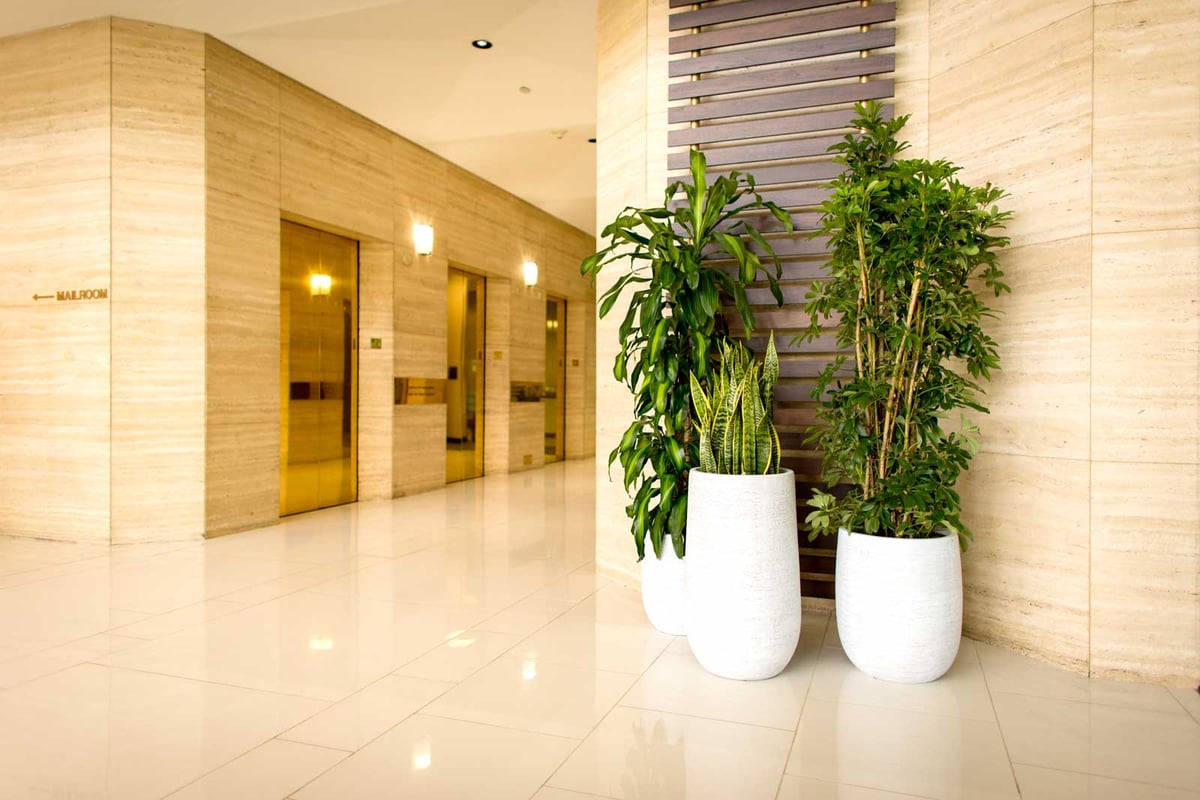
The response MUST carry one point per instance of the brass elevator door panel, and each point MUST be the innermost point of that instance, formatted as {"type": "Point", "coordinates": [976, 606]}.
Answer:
{"type": "Point", "coordinates": [555, 389]}
{"type": "Point", "coordinates": [318, 369]}
{"type": "Point", "coordinates": [466, 299]}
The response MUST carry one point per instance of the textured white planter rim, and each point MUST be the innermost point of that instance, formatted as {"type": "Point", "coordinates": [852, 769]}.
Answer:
{"type": "Point", "coordinates": [743, 573]}
{"type": "Point", "coordinates": [899, 604]}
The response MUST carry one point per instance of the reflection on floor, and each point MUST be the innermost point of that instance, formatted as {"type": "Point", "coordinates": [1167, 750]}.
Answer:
{"type": "Point", "coordinates": [458, 644]}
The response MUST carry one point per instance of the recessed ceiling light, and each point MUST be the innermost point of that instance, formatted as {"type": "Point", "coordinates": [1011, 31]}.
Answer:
{"type": "Point", "coordinates": [481, 44]}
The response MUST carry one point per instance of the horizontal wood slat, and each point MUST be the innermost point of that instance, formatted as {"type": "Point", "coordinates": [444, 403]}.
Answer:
{"type": "Point", "coordinates": [736, 12]}
{"type": "Point", "coordinates": [812, 122]}
{"type": "Point", "coordinates": [767, 151]}
{"type": "Point", "coordinates": [785, 76]}
{"type": "Point", "coordinates": [780, 28]}
{"type": "Point", "coordinates": [803, 172]}
{"type": "Point", "coordinates": [782, 101]}
{"type": "Point", "coordinates": [778, 53]}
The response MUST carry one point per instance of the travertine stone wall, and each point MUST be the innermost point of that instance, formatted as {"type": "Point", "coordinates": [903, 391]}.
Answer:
{"type": "Point", "coordinates": [1086, 495]}
{"type": "Point", "coordinates": [242, 288]}
{"type": "Point", "coordinates": [55, 186]}
{"type": "Point", "coordinates": [157, 272]}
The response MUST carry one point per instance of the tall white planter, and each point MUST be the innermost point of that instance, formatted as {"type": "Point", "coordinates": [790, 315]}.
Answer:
{"type": "Point", "coordinates": [899, 605]}
{"type": "Point", "coordinates": [663, 590]}
{"type": "Point", "coordinates": [743, 573]}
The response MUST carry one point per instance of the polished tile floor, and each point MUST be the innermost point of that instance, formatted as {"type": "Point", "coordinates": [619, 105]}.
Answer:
{"type": "Point", "coordinates": [458, 644]}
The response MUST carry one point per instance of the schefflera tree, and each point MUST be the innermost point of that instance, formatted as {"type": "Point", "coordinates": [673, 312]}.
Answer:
{"type": "Point", "coordinates": [913, 257]}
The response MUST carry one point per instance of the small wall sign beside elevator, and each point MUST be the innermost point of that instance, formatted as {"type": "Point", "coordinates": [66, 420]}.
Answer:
{"type": "Point", "coordinates": [73, 295]}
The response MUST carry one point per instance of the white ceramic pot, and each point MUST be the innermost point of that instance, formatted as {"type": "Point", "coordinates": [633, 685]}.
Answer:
{"type": "Point", "coordinates": [663, 588]}
{"type": "Point", "coordinates": [899, 605]}
{"type": "Point", "coordinates": [743, 575]}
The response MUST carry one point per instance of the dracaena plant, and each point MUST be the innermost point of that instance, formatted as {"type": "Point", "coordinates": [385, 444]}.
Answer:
{"type": "Point", "coordinates": [673, 326]}
{"type": "Point", "coordinates": [736, 432]}
{"type": "Point", "coordinates": [913, 258]}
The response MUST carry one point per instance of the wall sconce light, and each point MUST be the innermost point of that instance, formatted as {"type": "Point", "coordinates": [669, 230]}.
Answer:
{"type": "Point", "coordinates": [531, 273]}
{"type": "Point", "coordinates": [423, 239]}
{"type": "Point", "coordinates": [319, 284]}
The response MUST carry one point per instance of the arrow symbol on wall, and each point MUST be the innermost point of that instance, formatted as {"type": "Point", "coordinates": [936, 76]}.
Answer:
{"type": "Point", "coordinates": [43, 297]}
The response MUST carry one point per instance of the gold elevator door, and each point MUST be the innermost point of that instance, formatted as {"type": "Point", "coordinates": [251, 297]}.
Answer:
{"type": "Point", "coordinates": [318, 369]}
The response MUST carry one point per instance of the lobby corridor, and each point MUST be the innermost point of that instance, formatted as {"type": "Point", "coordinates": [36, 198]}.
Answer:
{"type": "Point", "coordinates": [458, 644]}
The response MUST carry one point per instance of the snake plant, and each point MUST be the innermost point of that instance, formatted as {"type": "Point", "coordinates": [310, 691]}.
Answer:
{"type": "Point", "coordinates": [737, 435]}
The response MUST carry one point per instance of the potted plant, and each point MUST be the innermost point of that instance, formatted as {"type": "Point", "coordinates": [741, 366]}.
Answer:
{"type": "Point", "coordinates": [672, 328]}
{"type": "Point", "coordinates": [743, 576]}
{"type": "Point", "coordinates": [913, 252]}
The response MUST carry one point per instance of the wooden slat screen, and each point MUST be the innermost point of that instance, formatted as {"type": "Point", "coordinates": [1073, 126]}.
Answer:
{"type": "Point", "coordinates": [765, 86]}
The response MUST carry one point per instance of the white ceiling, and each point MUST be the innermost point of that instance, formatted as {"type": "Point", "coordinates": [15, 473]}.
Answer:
{"type": "Point", "coordinates": [408, 65]}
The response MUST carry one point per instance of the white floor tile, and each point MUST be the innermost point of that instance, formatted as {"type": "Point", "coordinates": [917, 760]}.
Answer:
{"type": "Point", "coordinates": [550, 793]}
{"type": "Point", "coordinates": [902, 751]}
{"type": "Point", "coordinates": [352, 723]}
{"type": "Point", "coordinates": [1012, 673]}
{"type": "Point", "coordinates": [92, 731]}
{"type": "Point", "coordinates": [161, 625]}
{"type": "Point", "coordinates": [461, 644]}
{"type": "Point", "coordinates": [677, 683]}
{"type": "Point", "coordinates": [526, 694]}
{"type": "Point", "coordinates": [305, 644]}
{"type": "Point", "coordinates": [272, 770]}
{"type": "Point", "coordinates": [961, 692]}
{"type": "Point", "coordinates": [460, 657]}
{"type": "Point", "coordinates": [1125, 743]}
{"type": "Point", "coordinates": [431, 758]}
{"type": "Point", "coordinates": [526, 616]}
{"type": "Point", "coordinates": [1039, 783]}
{"type": "Point", "coordinates": [1190, 700]}
{"type": "Point", "coordinates": [652, 754]}
{"type": "Point", "coordinates": [795, 788]}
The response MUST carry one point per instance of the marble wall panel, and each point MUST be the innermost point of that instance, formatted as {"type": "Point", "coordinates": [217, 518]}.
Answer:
{"type": "Point", "coordinates": [497, 381]}
{"type": "Point", "coordinates": [1146, 347]}
{"type": "Point", "coordinates": [242, 254]}
{"type": "Point", "coordinates": [418, 448]}
{"type": "Point", "coordinates": [526, 436]}
{"type": "Point", "coordinates": [55, 113]}
{"type": "Point", "coordinates": [419, 315]}
{"type": "Point", "coordinates": [1040, 397]}
{"type": "Point", "coordinates": [1042, 155]}
{"type": "Point", "coordinates": [1025, 577]}
{"type": "Point", "coordinates": [960, 32]}
{"type": "Point", "coordinates": [335, 165]}
{"type": "Point", "coordinates": [1147, 164]}
{"type": "Point", "coordinates": [1145, 572]}
{"type": "Point", "coordinates": [55, 87]}
{"type": "Point", "coordinates": [579, 314]}
{"type": "Point", "coordinates": [158, 296]}
{"type": "Point", "coordinates": [912, 98]}
{"type": "Point", "coordinates": [912, 41]}
{"type": "Point", "coordinates": [376, 392]}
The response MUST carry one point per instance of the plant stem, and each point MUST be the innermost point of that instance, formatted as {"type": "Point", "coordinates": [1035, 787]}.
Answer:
{"type": "Point", "coordinates": [889, 420]}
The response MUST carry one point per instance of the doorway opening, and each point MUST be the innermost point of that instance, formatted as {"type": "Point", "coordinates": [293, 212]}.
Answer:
{"type": "Point", "coordinates": [318, 320]}
{"type": "Point", "coordinates": [465, 303]}
{"type": "Point", "coordinates": [555, 390]}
